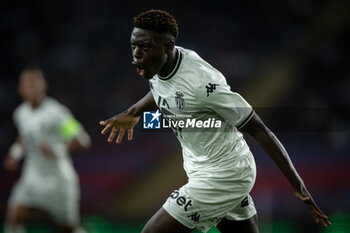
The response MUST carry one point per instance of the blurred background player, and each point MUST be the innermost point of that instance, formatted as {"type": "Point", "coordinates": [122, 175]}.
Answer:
{"type": "Point", "coordinates": [48, 133]}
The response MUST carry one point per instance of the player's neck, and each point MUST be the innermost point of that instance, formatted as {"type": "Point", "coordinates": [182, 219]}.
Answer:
{"type": "Point", "coordinates": [37, 102]}
{"type": "Point", "coordinates": [170, 64]}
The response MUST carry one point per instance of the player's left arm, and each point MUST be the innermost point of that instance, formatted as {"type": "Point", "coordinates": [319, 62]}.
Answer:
{"type": "Point", "coordinates": [256, 128]}
{"type": "Point", "coordinates": [14, 155]}
{"type": "Point", "coordinates": [74, 134]}
{"type": "Point", "coordinates": [80, 142]}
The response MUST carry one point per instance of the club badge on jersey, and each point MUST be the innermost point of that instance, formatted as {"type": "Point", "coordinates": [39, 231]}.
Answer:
{"type": "Point", "coordinates": [179, 100]}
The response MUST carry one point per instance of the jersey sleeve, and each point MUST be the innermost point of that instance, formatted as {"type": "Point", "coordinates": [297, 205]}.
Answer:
{"type": "Point", "coordinates": [15, 118]}
{"type": "Point", "coordinates": [230, 105]}
{"type": "Point", "coordinates": [16, 115]}
{"type": "Point", "coordinates": [16, 151]}
{"type": "Point", "coordinates": [66, 125]}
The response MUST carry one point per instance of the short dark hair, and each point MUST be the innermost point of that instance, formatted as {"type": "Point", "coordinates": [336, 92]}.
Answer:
{"type": "Point", "coordinates": [158, 21]}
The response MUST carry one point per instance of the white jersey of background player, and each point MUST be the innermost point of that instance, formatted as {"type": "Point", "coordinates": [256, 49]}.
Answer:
{"type": "Point", "coordinates": [211, 158]}
{"type": "Point", "coordinates": [48, 132]}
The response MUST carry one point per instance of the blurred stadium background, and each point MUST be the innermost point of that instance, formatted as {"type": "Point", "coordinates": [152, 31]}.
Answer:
{"type": "Point", "coordinates": [289, 59]}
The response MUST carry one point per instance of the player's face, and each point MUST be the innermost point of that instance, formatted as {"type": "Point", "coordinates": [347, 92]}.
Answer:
{"type": "Point", "coordinates": [32, 86]}
{"type": "Point", "coordinates": [148, 51]}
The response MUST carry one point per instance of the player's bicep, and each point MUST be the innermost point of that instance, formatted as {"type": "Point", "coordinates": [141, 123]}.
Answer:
{"type": "Point", "coordinates": [69, 128]}
{"type": "Point", "coordinates": [255, 127]}
{"type": "Point", "coordinates": [65, 124]}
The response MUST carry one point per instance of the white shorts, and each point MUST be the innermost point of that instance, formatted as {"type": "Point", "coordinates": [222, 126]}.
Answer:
{"type": "Point", "coordinates": [61, 201]}
{"type": "Point", "coordinates": [203, 203]}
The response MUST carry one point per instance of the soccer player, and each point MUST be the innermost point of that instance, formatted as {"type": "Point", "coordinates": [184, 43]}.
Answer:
{"type": "Point", "coordinates": [48, 133]}
{"type": "Point", "coordinates": [219, 164]}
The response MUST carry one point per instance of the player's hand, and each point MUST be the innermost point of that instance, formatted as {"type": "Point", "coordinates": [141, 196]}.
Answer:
{"type": "Point", "coordinates": [10, 163]}
{"type": "Point", "coordinates": [318, 216]}
{"type": "Point", "coordinates": [119, 124]}
{"type": "Point", "coordinates": [47, 151]}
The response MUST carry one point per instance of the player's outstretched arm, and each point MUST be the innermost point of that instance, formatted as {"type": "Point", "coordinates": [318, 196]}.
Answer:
{"type": "Point", "coordinates": [126, 120]}
{"type": "Point", "coordinates": [81, 141]}
{"type": "Point", "coordinates": [273, 147]}
{"type": "Point", "coordinates": [14, 155]}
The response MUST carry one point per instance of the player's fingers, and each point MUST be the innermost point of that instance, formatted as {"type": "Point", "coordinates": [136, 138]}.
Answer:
{"type": "Point", "coordinates": [106, 129]}
{"type": "Point", "coordinates": [120, 135]}
{"type": "Point", "coordinates": [317, 212]}
{"type": "Point", "coordinates": [112, 134]}
{"type": "Point", "coordinates": [109, 121]}
{"type": "Point", "coordinates": [130, 134]}
{"type": "Point", "coordinates": [320, 218]}
{"type": "Point", "coordinates": [10, 164]}
{"type": "Point", "coordinates": [324, 220]}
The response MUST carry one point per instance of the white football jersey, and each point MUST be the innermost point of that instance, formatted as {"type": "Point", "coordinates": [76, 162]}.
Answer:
{"type": "Point", "coordinates": [197, 91]}
{"type": "Point", "coordinates": [47, 124]}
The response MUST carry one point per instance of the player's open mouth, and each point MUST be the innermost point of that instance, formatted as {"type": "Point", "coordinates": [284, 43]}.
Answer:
{"type": "Point", "coordinates": [139, 69]}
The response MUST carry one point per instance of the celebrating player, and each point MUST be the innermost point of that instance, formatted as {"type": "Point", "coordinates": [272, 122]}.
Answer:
{"type": "Point", "coordinates": [219, 164]}
{"type": "Point", "coordinates": [48, 133]}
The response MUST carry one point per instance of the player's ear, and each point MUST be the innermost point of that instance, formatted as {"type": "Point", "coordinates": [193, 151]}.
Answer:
{"type": "Point", "coordinates": [169, 46]}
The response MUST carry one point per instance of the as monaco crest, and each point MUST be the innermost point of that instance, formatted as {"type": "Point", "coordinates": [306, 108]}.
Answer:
{"type": "Point", "coordinates": [179, 100]}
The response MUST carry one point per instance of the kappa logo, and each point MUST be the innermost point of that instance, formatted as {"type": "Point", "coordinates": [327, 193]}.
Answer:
{"type": "Point", "coordinates": [211, 87]}
{"type": "Point", "coordinates": [245, 202]}
{"type": "Point", "coordinates": [151, 120]}
{"type": "Point", "coordinates": [179, 100]}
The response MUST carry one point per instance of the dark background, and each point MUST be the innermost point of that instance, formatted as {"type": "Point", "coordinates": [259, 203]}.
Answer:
{"type": "Point", "coordinates": [289, 59]}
